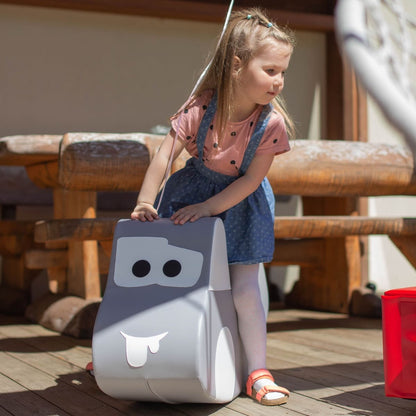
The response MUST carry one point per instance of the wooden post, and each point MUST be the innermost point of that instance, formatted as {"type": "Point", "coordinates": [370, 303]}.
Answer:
{"type": "Point", "coordinates": [79, 275]}
{"type": "Point", "coordinates": [407, 245]}
{"type": "Point", "coordinates": [15, 238]}
{"type": "Point", "coordinates": [83, 278]}
{"type": "Point", "coordinates": [329, 287]}
{"type": "Point", "coordinates": [57, 276]}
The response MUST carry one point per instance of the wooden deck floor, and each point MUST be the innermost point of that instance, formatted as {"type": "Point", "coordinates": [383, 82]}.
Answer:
{"type": "Point", "coordinates": [333, 365]}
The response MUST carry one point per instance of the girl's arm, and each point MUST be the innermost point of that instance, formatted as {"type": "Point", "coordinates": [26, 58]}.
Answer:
{"type": "Point", "coordinates": [144, 210]}
{"type": "Point", "coordinates": [231, 195]}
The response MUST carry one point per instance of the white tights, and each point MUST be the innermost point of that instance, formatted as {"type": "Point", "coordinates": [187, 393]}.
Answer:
{"type": "Point", "coordinates": [251, 319]}
{"type": "Point", "coordinates": [250, 313]}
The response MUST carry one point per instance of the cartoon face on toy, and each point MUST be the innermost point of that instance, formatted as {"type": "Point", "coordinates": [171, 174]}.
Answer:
{"type": "Point", "coordinates": [167, 322]}
{"type": "Point", "coordinates": [145, 261]}
{"type": "Point", "coordinates": [136, 348]}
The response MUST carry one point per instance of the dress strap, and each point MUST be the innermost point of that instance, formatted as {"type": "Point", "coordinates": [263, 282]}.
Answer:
{"type": "Point", "coordinates": [205, 125]}
{"type": "Point", "coordinates": [256, 138]}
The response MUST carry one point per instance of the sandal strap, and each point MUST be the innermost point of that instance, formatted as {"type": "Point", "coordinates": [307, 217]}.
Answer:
{"type": "Point", "coordinates": [257, 375]}
{"type": "Point", "coordinates": [271, 389]}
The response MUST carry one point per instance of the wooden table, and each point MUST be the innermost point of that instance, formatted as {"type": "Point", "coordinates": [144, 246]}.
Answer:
{"type": "Point", "coordinates": [34, 152]}
{"type": "Point", "coordinates": [97, 162]}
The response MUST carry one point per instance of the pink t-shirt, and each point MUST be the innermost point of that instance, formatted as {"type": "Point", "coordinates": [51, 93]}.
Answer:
{"type": "Point", "coordinates": [227, 156]}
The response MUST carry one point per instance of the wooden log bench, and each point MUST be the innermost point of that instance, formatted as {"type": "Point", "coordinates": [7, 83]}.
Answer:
{"type": "Point", "coordinates": [17, 236]}
{"type": "Point", "coordinates": [74, 267]}
{"type": "Point", "coordinates": [25, 150]}
{"type": "Point", "coordinates": [91, 162]}
{"type": "Point", "coordinates": [337, 170]}
{"type": "Point", "coordinates": [29, 177]}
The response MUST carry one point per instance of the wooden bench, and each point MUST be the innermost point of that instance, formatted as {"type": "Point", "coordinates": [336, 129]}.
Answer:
{"type": "Point", "coordinates": [29, 168]}
{"type": "Point", "coordinates": [79, 273]}
{"type": "Point", "coordinates": [334, 169]}
{"type": "Point", "coordinates": [16, 236]}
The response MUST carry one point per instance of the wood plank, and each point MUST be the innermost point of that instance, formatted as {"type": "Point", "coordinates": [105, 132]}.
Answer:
{"type": "Point", "coordinates": [328, 358]}
{"type": "Point", "coordinates": [75, 229]}
{"type": "Point", "coordinates": [4, 412]}
{"type": "Point", "coordinates": [20, 227]}
{"type": "Point", "coordinates": [299, 402]}
{"type": "Point", "coordinates": [14, 273]}
{"type": "Point", "coordinates": [58, 362]}
{"type": "Point", "coordinates": [202, 409]}
{"type": "Point", "coordinates": [308, 343]}
{"type": "Point", "coordinates": [362, 378]}
{"type": "Point", "coordinates": [107, 246]}
{"type": "Point", "coordinates": [86, 159]}
{"type": "Point", "coordinates": [158, 409]}
{"type": "Point", "coordinates": [331, 363]}
{"type": "Point", "coordinates": [312, 226]}
{"type": "Point", "coordinates": [57, 276]}
{"type": "Point", "coordinates": [330, 286]}
{"type": "Point", "coordinates": [305, 253]}
{"type": "Point", "coordinates": [104, 256]}
{"type": "Point", "coordinates": [44, 175]}
{"type": "Point", "coordinates": [44, 259]}
{"type": "Point", "coordinates": [75, 352]}
{"type": "Point", "coordinates": [16, 236]}
{"type": "Point", "coordinates": [302, 21]}
{"type": "Point", "coordinates": [312, 168]}
{"type": "Point", "coordinates": [42, 353]}
{"type": "Point", "coordinates": [407, 245]}
{"type": "Point", "coordinates": [244, 405]}
{"type": "Point", "coordinates": [83, 270]}
{"type": "Point", "coordinates": [343, 168]}
{"type": "Point", "coordinates": [324, 358]}
{"type": "Point", "coordinates": [18, 400]}
{"type": "Point", "coordinates": [61, 395]}
{"type": "Point", "coordinates": [328, 400]}
{"type": "Point", "coordinates": [35, 353]}
{"type": "Point", "coordinates": [12, 245]}
{"type": "Point", "coordinates": [188, 10]}
{"type": "Point", "coordinates": [26, 150]}
{"type": "Point", "coordinates": [81, 278]}
{"type": "Point", "coordinates": [315, 226]}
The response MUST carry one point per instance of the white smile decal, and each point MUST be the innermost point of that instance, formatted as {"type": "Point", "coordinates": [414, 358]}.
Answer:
{"type": "Point", "coordinates": [136, 348]}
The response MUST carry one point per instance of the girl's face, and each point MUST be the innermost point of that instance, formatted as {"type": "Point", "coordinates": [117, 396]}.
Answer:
{"type": "Point", "coordinates": [262, 79]}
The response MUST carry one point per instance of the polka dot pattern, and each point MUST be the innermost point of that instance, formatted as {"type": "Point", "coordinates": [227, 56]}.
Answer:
{"type": "Point", "coordinates": [249, 224]}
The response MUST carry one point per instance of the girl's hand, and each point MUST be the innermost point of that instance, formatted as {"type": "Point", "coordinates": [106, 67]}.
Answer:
{"type": "Point", "coordinates": [144, 212]}
{"type": "Point", "coordinates": [191, 213]}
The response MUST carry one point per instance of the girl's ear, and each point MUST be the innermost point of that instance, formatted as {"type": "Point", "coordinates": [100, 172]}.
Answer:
{"type": "Point", "coordinates": [236, 65]}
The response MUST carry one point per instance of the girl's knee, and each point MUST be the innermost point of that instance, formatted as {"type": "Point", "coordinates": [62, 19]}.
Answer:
{"type": "Point", "coordinates": [245, 287]}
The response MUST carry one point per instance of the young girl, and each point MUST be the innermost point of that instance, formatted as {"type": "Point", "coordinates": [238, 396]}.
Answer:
{"type": "Point", "coordinates": [232, 131]}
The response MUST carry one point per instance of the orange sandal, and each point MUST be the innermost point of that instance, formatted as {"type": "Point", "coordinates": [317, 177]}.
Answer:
{"type": "Point", "coordinates": [259, 395]}
{"type": "Point", "coordinates": [89, 368]}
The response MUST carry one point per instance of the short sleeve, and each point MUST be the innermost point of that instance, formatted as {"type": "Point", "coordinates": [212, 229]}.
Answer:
{"type": "Point", "coordinates": [187, 122]}
{"type": "Point", "coordinates": [275, 139]}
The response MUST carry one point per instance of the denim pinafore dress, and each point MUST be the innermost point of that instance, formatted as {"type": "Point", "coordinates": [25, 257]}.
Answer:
{"type": "Point", "coordinates": [249, 224]}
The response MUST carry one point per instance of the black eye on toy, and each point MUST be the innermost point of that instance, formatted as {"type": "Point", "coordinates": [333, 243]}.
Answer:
{"type": "Point", "coordinates": [141, 268]}
{"type": "Point", "coordinates": [172, 268]}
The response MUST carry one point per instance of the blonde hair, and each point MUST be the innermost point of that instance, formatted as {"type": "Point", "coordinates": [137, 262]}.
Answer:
{"type": "Point", "coordinates": [246, 33]}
